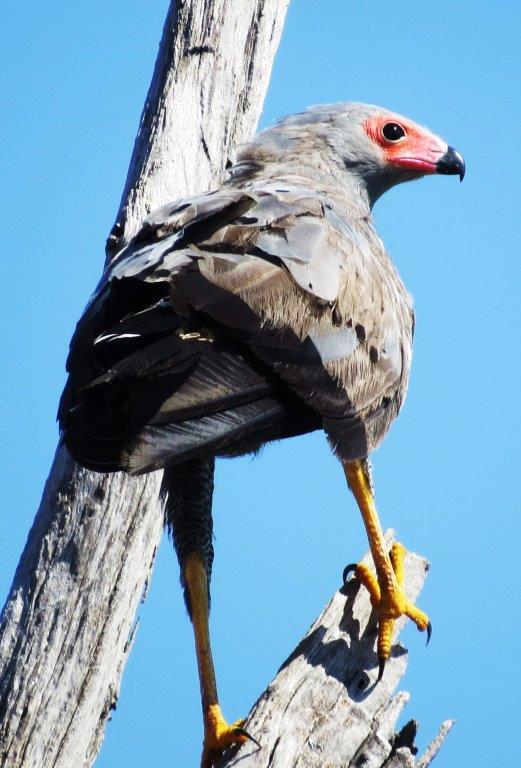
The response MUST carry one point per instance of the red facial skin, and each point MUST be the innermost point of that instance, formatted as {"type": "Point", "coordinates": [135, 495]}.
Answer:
{"type": "Point", "coordinates": [419, 150]}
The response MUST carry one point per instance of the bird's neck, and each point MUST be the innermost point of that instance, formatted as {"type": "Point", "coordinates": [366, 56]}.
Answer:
{"type": "Point", "coordinates": [338, 184]}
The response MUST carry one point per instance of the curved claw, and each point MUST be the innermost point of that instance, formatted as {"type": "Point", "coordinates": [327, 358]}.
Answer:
{"type": "Point", "coordinates": [347, 570]}
{"type": "Point", "coordinates": [381, 667]}
{"type": "Point", "coordinates": [244, 732]}
{"type": "Point", "coordinates": [429, 633]}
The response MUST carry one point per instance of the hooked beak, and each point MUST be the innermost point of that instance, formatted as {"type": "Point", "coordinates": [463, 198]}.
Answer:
{"type": "Point", "coordinates": [451, 163]}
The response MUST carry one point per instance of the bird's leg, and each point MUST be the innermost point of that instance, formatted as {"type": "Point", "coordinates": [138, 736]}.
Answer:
{"type": "Point", "coordinates": [188, 515]}
{"type": "Point", "coordinates": [386, 589]}
{"type": "Point", "coordinates": [218, 735]}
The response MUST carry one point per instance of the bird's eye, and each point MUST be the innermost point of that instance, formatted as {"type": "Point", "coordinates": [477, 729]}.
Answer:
{"type": "Point", "coordinates": [393, 132]}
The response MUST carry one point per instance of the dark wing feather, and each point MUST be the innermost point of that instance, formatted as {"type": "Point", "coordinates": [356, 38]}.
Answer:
{"type": "Point", "coordinates": [234, 431]}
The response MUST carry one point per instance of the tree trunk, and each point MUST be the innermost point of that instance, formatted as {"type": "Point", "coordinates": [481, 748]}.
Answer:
{"type": "Point", "coordinates": [67, 626]}
{"type": "Point", "coordinates": [325, 708]}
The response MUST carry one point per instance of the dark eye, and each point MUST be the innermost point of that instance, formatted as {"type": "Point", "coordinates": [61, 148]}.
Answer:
{"type": "Point", "coordinates": [393, 132]}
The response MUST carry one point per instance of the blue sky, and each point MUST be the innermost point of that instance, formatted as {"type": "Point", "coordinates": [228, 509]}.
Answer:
{"type": "Point", "coordinates": [73, 79]}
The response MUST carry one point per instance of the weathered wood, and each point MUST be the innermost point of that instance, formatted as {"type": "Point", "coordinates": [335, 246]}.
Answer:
{"type": "Point", "coordinates": [206, 96]}
{"type": "Point", "coordinates": [66, 629]}
{"type": "Point", "coordinates": [325, 709]}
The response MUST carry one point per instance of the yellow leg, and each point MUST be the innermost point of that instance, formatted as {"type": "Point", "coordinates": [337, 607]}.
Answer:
{"type": "Point", "coordinates": [386, 590]}
{"type": "Point", "coordinates": [218, 735]}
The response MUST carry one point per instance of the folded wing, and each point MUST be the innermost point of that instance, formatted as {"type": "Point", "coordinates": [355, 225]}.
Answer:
{"type": "Point", "coordinates": [234, 318]}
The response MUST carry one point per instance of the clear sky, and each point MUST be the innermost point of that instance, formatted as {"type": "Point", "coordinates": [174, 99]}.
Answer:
{"type": "Point", "coordinates": [73, 81]}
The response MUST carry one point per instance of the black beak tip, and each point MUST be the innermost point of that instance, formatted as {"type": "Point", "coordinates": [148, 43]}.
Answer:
{"type": "Point", "coordinates": [451, 164]}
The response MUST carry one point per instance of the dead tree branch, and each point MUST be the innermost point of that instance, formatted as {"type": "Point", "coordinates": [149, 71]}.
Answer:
{"type": "Point", "coordinates": [325, 709]}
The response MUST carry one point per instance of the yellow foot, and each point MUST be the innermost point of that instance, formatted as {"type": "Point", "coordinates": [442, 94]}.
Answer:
{"type": "Point", "coordinates": [389, 601]}
{"type": "Point", "coordinates": [218, 736]}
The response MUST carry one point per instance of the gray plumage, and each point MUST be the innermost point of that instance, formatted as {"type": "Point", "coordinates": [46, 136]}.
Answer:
{"type": "Point", "coordinates": [260, 310]}
{"type": "Point", "coordinates": [264, 309]}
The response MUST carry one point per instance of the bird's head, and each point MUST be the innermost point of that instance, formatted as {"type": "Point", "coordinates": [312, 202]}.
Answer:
{"type": "Point", "coordinates": [385, 149]}
{"type": "Point", "coordinates": [361, 145]}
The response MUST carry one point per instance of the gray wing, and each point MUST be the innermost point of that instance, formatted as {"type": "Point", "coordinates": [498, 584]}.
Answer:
{"type": "Point", "coordinates": [261, 225]}
{"type": "Point", "coordinates": [285, 273]}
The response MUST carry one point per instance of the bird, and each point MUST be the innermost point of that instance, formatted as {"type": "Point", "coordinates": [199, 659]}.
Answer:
{"type": "Point", "coordinates": [263, 309]}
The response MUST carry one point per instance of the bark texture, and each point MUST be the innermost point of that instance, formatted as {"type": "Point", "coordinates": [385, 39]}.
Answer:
{"type": "Point", "coordinates": [206, 96]}
{"type": "Point", "coordinates": [67, 627]}
{"type": "Point", "coordinates": [325, 709]}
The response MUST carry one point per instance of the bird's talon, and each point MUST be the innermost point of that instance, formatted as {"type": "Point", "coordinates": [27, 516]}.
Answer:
{"type": "Point", "coordinates": [381, 667]}
{"type": "Point", "coordinates": [243, 732]}
{"type": "Point", "coordinates": [347, 571]}
{"type": "Point", "coordinates": [389, 601]}
{"type": "Point", "coordinates": [218, 736]}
